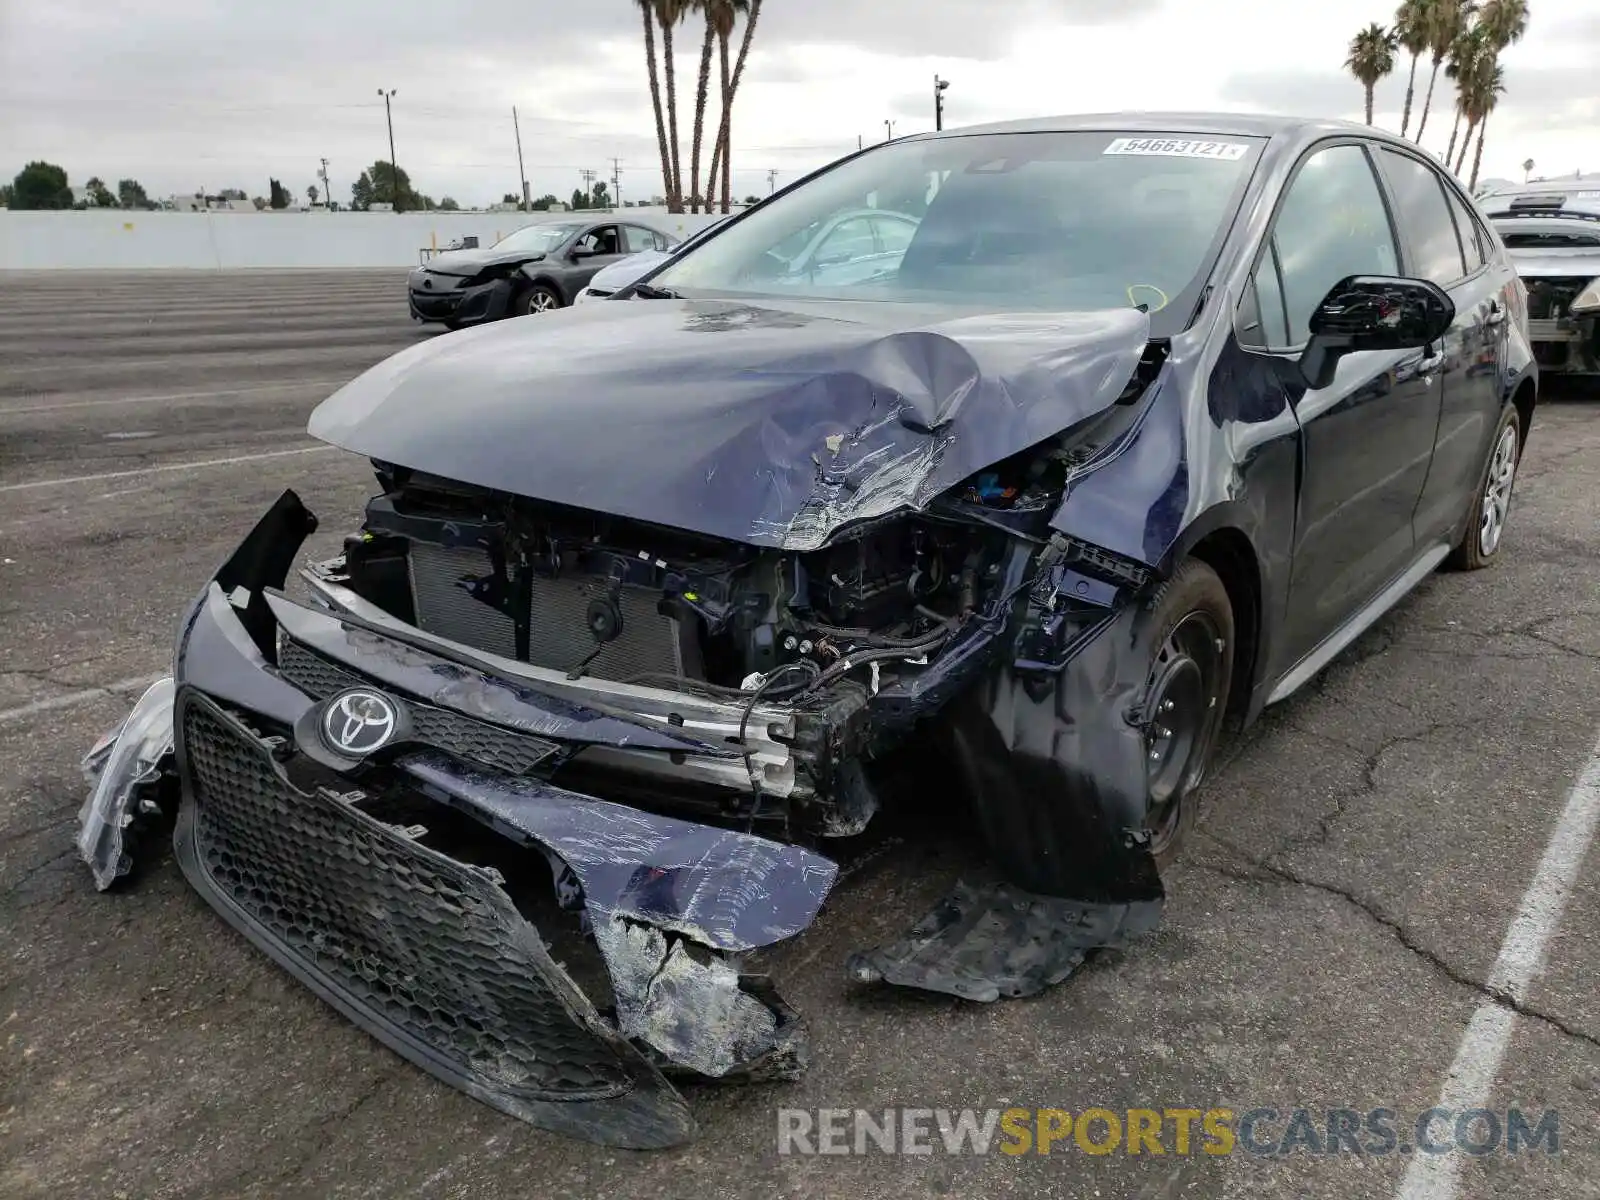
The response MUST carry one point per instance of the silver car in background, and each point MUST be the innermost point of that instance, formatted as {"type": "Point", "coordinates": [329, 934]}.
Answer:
{"type": "Point", "coordinates": [1552, 230]}
{"type": "Point", "coordinates": [611, 280]}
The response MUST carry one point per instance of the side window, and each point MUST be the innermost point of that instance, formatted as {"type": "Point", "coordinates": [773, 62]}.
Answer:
{"type": "Point", "coordinates": [1471, 242]}
{"type": "Point", "coordinates": [1332, 224]}
{"type": "Point", "coordinates": [848, 240]}
{"type": "Point", "coordinates": [636, 238]}
{"type": "Point", "coordinates": [1424, 214]}
{"type": "Point", "coordinates": [893, 236]}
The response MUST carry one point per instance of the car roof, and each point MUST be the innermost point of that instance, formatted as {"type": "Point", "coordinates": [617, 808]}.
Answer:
{"type": "Point", "coordinates": [1264, 125]}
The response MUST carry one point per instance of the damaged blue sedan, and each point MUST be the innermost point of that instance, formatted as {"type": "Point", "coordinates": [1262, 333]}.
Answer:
{"type": "Point", "coordinates": [1111, 431]}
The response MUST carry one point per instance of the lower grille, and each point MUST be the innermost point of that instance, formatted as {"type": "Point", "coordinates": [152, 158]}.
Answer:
{"type": "Point", "coordinates": [558, 634]}
{"type": "Point", "coordinates": [427, 953]}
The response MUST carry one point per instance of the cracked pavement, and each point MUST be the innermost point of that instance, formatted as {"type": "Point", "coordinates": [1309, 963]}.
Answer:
{"type": "Point", "coordinates": [1328, 934]}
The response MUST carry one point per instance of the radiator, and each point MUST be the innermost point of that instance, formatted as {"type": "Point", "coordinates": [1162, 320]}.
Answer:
{"type": "Point", "coordinates": [558, 634]}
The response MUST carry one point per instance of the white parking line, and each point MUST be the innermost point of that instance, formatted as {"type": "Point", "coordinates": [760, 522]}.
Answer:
{"type": "Point", "coordinates": [286, 385]}
{"type": "Point", "coordinates": [185, 466]}
{"type": "Point", "coordinates": [1483, 1046]}
{"type": "Point", "coordinates": [71, 698]}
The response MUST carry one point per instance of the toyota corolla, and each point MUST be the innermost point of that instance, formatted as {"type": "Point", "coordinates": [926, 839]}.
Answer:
{"type": "Point", "coordinates": [1144, 420]}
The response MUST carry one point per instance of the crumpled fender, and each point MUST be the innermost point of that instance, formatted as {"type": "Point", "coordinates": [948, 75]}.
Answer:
{"type": "Point", "coordinates": [1058, 776]}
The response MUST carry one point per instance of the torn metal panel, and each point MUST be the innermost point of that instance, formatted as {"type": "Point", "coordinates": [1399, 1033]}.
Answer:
{"type": "Point", "coordinates": [1056, 767]}
{"type": "Point", "coordinates": [725, 889]}
{"type": "Point", "coordinates": [772, 426]}
{"type": "Point", "coordinates": [982, 943]}
{"type": "Point", "coordinates": [699, 1015]}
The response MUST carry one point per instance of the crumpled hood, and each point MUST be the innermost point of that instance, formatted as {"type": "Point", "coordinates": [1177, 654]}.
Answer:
{"type": "Point", "coordinates": [767, 425]}
{"type": "Point", "coordinates": [470, 262]}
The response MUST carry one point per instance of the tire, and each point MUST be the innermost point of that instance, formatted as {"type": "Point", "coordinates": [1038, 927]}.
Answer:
{"type": "Point", "coordinates": [531, 301]}
{"type": "Point", "coordinates": [1185, 636]}
{"type": "Point", "coordinates": [1490, 505]}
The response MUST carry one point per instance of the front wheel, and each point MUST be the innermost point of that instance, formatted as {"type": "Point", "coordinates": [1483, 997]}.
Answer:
{"type": "Point", "coordinates": [1185, 637]}
{"type": "Point", "coordinates": [531, 301]}
{"type": "Point", "coordinates": [1490, 505]}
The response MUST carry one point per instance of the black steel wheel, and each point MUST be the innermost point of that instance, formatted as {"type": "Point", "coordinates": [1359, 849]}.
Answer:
{"type": "Point", "coordinates": [1186, 633]}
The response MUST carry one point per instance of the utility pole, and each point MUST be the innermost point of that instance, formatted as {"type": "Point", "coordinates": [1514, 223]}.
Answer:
{"type": "Point", "coordinates": [772, 179]}
{"type": "Point", "coordinates": [522, 174]}
{"type": "Point", "coordinates": [616, 183]}
{"type": "Point", "coordinates": [888, 131]}
{"type": "Point", "coordinates": [588, 187]}
{"type": "Point", "coordinates": [939, 86]}
{"type": "Point", "coordinates": [327, 188]}
{"type": "Point", "coordinates": [394, 167]}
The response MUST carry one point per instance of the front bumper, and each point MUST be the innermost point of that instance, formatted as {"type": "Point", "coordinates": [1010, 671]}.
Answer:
{"type": "Point", "coordinates": [352, 871]}
{"type": "Point", "coordinates": [431, 950]}
{"type": "Point", "coordinates": [1566, 345]}
{"type": "Point", "coordinates": [472, 305]}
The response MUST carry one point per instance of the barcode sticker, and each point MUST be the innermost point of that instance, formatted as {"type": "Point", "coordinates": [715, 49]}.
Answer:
{"type": "Point", "coordinates": [1178, 148]}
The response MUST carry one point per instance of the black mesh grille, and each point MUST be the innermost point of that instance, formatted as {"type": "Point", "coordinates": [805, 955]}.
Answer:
{"type": "Point", "coordinates": [430, 946]}
{"type": "Point", "coordinates": [476, 741]}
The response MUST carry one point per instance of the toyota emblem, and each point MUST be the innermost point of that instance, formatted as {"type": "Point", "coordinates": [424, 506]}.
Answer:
{"type": "Point", "coordinates": [358, 722]}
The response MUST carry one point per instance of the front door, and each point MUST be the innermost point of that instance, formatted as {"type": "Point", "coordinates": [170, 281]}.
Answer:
{"type": "Point", "coordinates": [1367, 439]}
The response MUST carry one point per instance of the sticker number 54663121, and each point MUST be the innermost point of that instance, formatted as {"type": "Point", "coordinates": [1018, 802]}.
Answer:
{"type": "Point", "coordinates": [1178, 148]}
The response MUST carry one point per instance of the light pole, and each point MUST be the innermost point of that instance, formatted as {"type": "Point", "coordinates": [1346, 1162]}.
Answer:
{"type": "Point", "coordinates": [888, 131]}
{"type": "Point", "coordinates": [394, 167]}
{"type": "Point", "coordinates": [939, 86]}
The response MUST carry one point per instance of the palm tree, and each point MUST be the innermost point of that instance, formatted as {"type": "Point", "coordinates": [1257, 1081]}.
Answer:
{"type": "Point", "coordinates": [1486, 93]}
{"type": "Point", "coordinates": [647, 12]}
{"type": "Point", "coordinates": [704, 7]}
{"type": "Point", "coordinates": [725, 14]}
{"type": "Point", "coordinates": [1449, 18]}
{"type": "Point", "coordinates": [1466, 55]}
{"type": "Point", "coordinates": [1411, 27]}
{"type": "Point", "coordinates": [1371, 58]}
{"type": "Point", "coordinates": [669, 15]}
{"type": "Point", "coordinates": [1503, 23]}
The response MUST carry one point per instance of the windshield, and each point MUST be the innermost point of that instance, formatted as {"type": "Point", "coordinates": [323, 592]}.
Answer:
{"type": "Point", "coordinates": [1028, 221]}
{"type": "Point", "coordinates": [537, 238]}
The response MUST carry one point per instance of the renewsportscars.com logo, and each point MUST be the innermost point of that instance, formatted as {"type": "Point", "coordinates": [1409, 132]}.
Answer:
{"type": "Point", "coordinates": [1264, 1132]}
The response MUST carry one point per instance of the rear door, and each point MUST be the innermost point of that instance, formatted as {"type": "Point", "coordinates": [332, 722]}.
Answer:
{"type": "Point", "coordinates": [1367, 439]}
{"type": "Point", "coordinates": [1441, 242]}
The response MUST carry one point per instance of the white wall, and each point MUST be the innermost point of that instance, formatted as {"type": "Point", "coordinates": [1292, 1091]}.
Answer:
{"type": "Point", "coordinates": [216, 241]}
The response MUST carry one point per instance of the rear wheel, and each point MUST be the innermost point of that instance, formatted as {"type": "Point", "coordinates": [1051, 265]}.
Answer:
{"type": "Point", "coordinates": [1186, 637]}
{"type": "Point", "coordinates": [535, 299]}
{"type": "Point", "coordinates": [1491, 500]}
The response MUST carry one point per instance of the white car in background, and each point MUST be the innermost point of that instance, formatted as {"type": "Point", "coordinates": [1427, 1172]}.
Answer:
{"type": "Point", "coordinates": [1552, 231]}
{"type": "Point", "coordinates": [610, 280]}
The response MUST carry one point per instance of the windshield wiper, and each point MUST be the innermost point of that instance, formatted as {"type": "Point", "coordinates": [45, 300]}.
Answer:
{"type": "Point", "coordinates": [647, 292]}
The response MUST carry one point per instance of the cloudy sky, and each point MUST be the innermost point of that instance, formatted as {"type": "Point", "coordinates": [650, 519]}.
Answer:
{"type": "Point", "coordinates": [184, 94]}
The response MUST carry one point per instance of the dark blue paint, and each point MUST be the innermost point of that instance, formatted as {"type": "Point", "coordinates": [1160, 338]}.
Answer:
{"type": "Point", "coordinates": [728, 890]}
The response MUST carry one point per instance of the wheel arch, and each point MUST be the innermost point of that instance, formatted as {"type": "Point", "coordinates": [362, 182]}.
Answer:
{"type": "Point", "coordinates": [1219, 541]}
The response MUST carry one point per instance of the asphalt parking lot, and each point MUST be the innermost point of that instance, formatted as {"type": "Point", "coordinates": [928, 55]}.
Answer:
{"type": "Point", "coordinates": [1329, 936]}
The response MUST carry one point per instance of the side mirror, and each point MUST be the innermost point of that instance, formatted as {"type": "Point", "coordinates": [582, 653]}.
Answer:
{"type": "Point", "coordinates": [1373, 312]}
